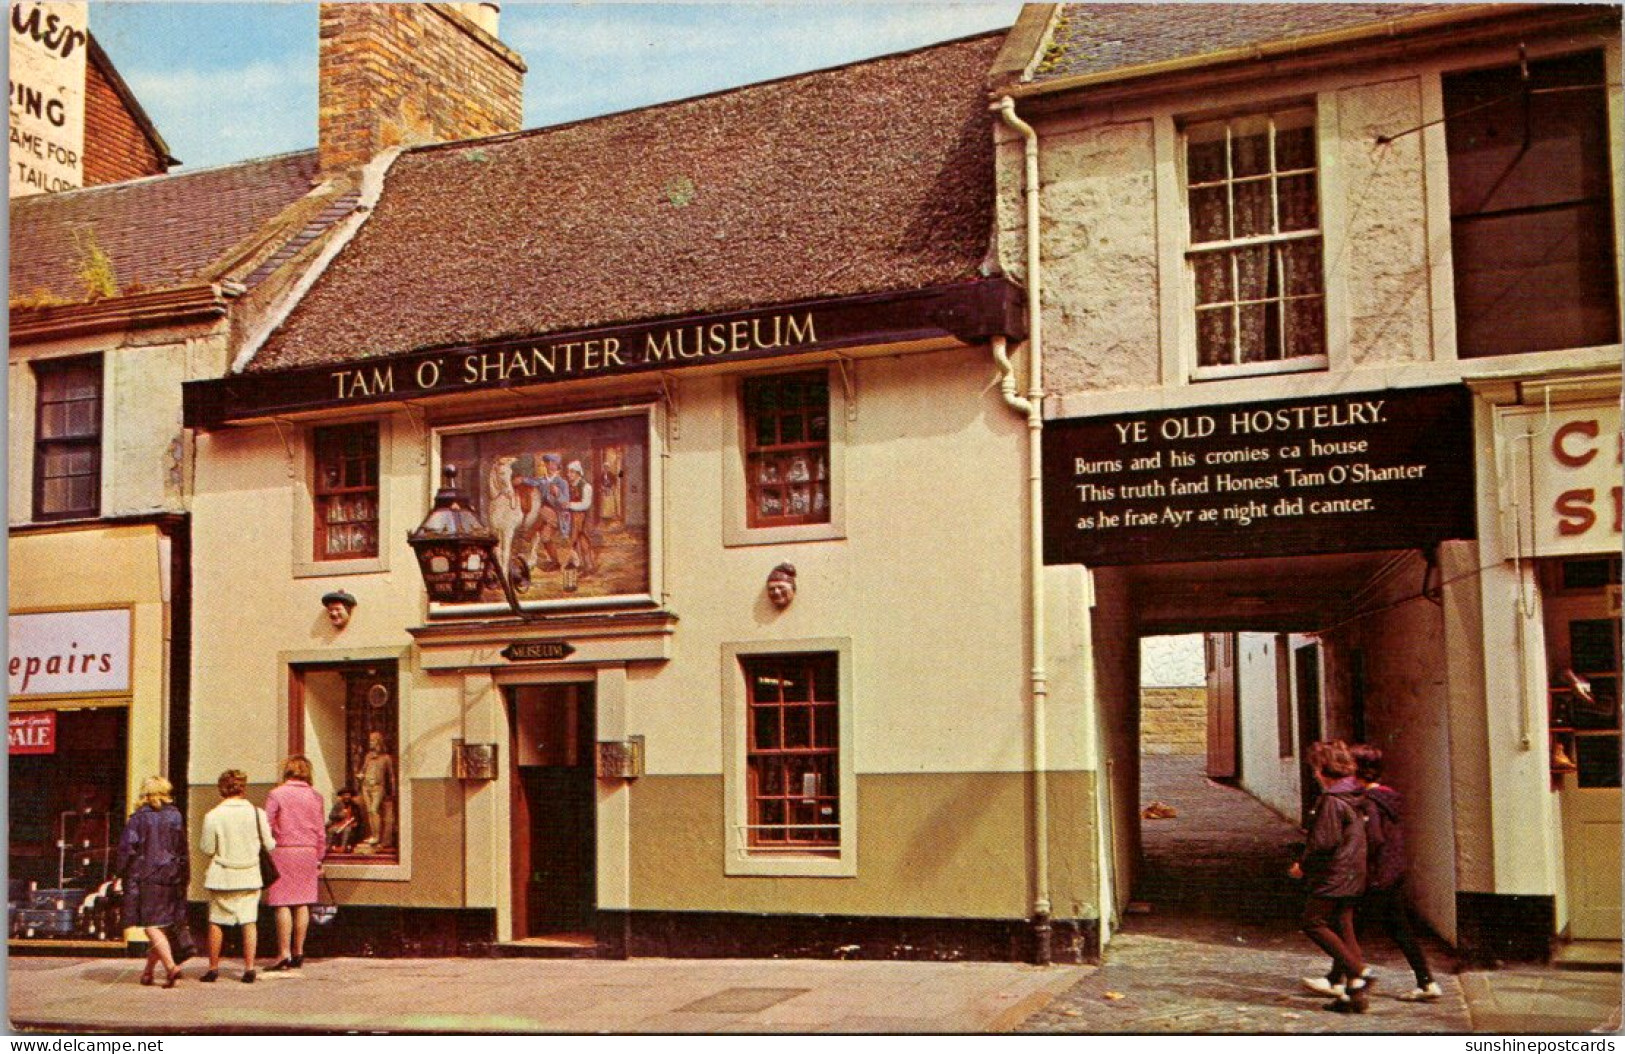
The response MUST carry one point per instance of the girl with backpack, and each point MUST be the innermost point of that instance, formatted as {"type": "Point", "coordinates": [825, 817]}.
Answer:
{"type": "Point", "coordinates": [1384, 901]}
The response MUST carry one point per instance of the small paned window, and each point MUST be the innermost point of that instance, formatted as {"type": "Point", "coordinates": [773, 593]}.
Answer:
{"type": "Point", "coordinates": [792, 751]}
{"type": "Point", "coordinates": [346, 492]}
{"type": "Point", "coordinates": [787, 449]}
{"type": "Point", "coordinates": [68, 438]}
{"type": "Point", "coordinates": [1255, 244]}
{"type": "Point", "coordinates": [1531, 207]}
{"type": "Point", "coordinates": [1594, 711]}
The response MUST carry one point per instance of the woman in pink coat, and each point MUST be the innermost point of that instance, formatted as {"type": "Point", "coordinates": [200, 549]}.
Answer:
{"type": "Point", "coordinates": [300, 825]}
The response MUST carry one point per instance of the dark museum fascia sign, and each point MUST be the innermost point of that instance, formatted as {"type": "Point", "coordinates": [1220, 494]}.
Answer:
{"type": "Point", "coordinates": [538, 650]}
{"type": "Point", "coordinates": [969, 311]}
{"type": "Point", "coordinates": [1376, 470]}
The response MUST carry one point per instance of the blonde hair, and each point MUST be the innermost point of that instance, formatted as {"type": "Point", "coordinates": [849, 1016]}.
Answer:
{"type": "Point", "coordinates": [156, 792]}
{"type": "Point", "coordinates": [296, 767]}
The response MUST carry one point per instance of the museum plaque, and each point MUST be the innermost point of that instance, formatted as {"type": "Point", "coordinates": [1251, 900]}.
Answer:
{"type": "Point", "coordinates": [533, 650]}
{"type": "Point", "coordinates": [1362, 472]}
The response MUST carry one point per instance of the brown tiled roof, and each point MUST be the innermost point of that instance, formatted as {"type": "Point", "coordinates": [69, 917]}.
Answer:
{"type": "Point", "coordinates": [160, 232]}
{"type": "Point", "coordinates": [867, 178]}
{"type": "Point", "coordinates": [1100, 38]}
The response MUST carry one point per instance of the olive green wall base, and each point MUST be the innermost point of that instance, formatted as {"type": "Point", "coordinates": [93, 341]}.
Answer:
{"type": "Point", "coordinates": [943, 845]}
{"type": "Point", "coordinates": [932, 845]}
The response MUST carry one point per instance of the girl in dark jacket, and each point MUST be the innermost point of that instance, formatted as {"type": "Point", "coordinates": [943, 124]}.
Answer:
{"type": "Point", "coordinates": [1334, 866]}
{"type": "Point", "coordinates": [157, 865]}
{"type": "Point", "coordinates": [1384, 902]}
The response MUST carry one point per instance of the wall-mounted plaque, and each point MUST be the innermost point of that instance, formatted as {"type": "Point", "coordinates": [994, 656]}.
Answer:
{"type": "Point", "coordinates": [538, 650]}
{"type": "Point", "coordinates": [1389, 469]}
{"type": "Point", "coordinates": [620, 758]}
{"type": "Point", "coordinates": [473, 761]}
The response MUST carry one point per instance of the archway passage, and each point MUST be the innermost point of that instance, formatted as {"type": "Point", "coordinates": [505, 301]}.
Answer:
{"type": "Point", "coordinates": [1295, 649]}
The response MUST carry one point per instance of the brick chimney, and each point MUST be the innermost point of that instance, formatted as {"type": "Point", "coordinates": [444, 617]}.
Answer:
{"type": "Point", "coordinates": [395, 74]}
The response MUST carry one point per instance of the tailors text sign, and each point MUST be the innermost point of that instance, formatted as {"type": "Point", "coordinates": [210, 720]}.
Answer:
{"type": "Point", "coordinates": [49, 43]}
{"type": "Point", "coordinates": [1377, 470]}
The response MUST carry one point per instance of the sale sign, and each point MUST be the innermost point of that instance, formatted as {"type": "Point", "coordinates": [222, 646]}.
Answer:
{"type": "Point", "coordinates": [32, 733]}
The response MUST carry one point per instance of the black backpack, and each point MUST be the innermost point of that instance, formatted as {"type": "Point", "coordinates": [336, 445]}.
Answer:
{"type": "Point", "coordinates": [1384, 863]}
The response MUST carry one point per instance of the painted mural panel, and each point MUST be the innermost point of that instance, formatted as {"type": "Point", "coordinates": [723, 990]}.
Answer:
{"type": "Point", "coordinates": [569, 500]}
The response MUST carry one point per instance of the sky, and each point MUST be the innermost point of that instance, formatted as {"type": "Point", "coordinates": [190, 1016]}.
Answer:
{"type": "Point", "coordinates": [225, 82]}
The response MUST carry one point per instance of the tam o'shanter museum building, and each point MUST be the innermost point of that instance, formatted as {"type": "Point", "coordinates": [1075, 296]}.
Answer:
{"type": "Point", "coordinates": [728, 527]}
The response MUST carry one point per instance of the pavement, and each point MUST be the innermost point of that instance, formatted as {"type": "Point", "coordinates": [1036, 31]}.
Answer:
{"type": "Point", "coordinates": [578, 996]}
{"type": "Point", "coordinates": [1210, 947]}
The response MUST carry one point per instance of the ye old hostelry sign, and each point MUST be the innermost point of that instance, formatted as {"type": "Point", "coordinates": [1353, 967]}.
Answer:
{"type": "Point", "coordinates": [1355, 473]}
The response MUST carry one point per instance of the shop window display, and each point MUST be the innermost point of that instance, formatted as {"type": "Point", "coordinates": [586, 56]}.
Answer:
{"type": "Point", "coordinates": [347, 721]}
{"type": "Point", "coordinates": [65, 810]}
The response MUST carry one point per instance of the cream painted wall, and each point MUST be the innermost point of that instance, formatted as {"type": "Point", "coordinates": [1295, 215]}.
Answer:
{"type": "Point", "coordinates": [922, 584]}
{"type": "Point", "coordinates": [928, 583]}
{"type": "Point", "coordinates": [144, 449]}
{"type": "Point", "coordinates": [1265, 774]}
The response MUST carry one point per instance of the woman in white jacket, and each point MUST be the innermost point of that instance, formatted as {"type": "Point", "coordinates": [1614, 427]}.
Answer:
{"type": "Point", "coordinates": [233, 832]}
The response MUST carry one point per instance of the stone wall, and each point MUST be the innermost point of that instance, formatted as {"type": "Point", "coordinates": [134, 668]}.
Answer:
{"type": "Point", "coordinates": [1173, 720]}
{"type": "Point", "coordinates": [408, 74]}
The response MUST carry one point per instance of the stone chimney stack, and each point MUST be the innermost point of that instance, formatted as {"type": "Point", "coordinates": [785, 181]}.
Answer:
{"type": "Point", "coordinates": [396, 74]}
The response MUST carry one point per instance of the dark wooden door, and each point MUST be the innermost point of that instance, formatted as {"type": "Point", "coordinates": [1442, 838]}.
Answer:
{"type": "Point", "coordinates": [1306, 660]}
{"type": "Point", "coordinates": [554, 815]}
{"type": "Point", "coordinates": [1223, 708]}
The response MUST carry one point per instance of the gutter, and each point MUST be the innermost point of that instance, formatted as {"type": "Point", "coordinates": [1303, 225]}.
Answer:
{"type": "Point", "coordinates": [1372, 31]}
{"type": "Point", "coordinates": [1033, 406]}
{"type": "Point", "coordinates": [198, 302]}
{"type": "Point", "coordinates": [372, 188]}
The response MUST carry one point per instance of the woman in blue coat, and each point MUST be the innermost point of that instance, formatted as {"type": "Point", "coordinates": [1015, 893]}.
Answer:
{"type": "Point", "coordinates": [156, 864]}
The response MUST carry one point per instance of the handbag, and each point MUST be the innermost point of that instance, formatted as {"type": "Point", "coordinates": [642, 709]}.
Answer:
{"type": "Point", "coordinates": [268, 872]}
{"type": "Point", "coordinates": [181, 944]}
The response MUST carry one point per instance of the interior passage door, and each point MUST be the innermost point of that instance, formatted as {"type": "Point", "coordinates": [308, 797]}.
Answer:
{"type": "Point", "coordinates": [1590, 795]}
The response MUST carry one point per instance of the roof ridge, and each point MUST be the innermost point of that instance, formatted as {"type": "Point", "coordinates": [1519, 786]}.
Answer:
{"type": "Point", "coordinates": [525, 133]}
{"type": "Point", "coordinates": [144, 181]}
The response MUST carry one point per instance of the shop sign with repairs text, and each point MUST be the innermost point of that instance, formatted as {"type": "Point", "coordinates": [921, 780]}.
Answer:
{"type": "Point", "coordinates": [1350, 473]}
{"type": "Point", "coordinates": [69, 653]}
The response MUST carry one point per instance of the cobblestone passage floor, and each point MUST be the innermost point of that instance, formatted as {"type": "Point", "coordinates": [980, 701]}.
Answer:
{"type": "Point", "coordinates": [1218, 950]}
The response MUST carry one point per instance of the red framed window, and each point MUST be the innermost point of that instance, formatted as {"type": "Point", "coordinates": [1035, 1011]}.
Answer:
{"type": "Point", "coordinates": [787, 449]}
{"type": "Point", "coordinates": [68, 438]}
{"type": "Point", "coordinates": [346, 491]}
{"type": "Point", "coordinates": [792, 751]}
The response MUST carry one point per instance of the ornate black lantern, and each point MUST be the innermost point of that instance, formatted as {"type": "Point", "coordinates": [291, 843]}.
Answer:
{"type": "Point", "coordinates": [456, 552]}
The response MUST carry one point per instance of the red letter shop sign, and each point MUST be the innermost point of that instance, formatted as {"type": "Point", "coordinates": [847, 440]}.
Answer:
{"type": "Point", "coordinates": [33, 733]}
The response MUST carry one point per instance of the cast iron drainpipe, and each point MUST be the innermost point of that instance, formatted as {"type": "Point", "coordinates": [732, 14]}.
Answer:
{"type": "Point", "coordinates": [1033, 407]}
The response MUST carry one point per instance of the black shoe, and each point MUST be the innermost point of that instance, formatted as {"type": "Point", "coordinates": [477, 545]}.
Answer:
{"type": "Point", "coordinates": [279, 966]}
{"type": "Point", "coordinates": [1361, 996]}
{"type": "Point", "coordinates": [248, 977]}
{"type": "Point", "coordinates": [296, 962]}
{"type": "Point", "coordinates": [212, 975]}
{"type": "Point", "coordinates": [1342, 1006]}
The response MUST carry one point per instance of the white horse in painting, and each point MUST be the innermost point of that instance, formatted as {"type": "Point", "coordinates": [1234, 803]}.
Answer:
{"type": "Point", "coordinates": [504, 513]}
